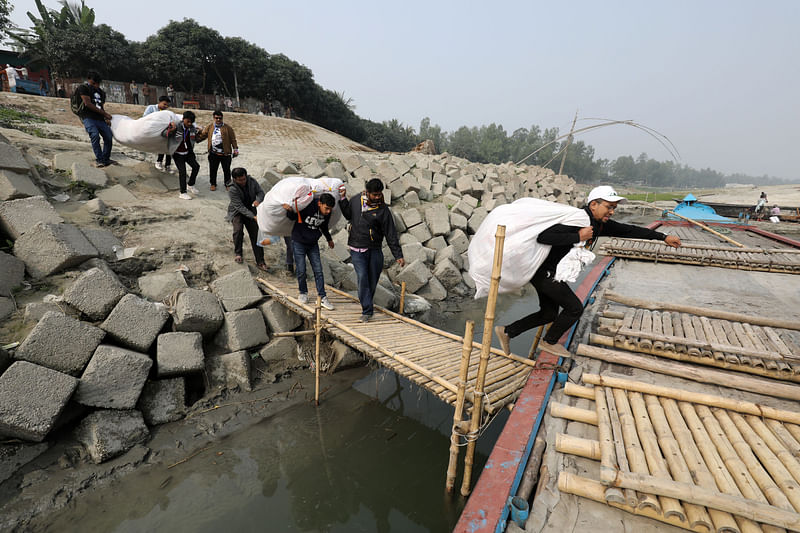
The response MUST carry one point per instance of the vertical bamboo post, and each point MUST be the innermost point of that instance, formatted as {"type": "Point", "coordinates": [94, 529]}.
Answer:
{"type": "Point", "coordinates": [536, 341]}
{"type": "Point", "coordinates": [317, 331]}
{"type": "Point", "coordinates": [458, 416]}
{"type": "Point", "coordinates": [488, 328]}
{"type": "Point", "coordinates": [402, 297]}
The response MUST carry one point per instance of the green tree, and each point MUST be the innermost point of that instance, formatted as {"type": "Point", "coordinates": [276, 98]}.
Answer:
{"type": "Point", "coordinates": [5, 22]}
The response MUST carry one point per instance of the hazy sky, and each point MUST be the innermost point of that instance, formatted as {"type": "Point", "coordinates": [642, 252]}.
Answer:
{"type": "Point", "coordinates": [720, 78]}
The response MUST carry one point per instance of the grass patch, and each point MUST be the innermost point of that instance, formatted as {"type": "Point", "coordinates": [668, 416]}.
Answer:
{"type": "Point", "coordinates": [654, 196]}
{"type": "Point", "coordinates": [9, 114]}
{"type": "Point", "coordinates": [333, 160]}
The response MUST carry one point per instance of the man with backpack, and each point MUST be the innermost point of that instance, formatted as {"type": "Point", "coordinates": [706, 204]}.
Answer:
{"type": "Point", "coordinates": [87, 102]}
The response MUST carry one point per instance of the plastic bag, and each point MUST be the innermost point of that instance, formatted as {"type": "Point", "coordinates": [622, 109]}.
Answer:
{"type": "Point", "coordinates": [571, 264]}
{"type": "Point", "coordinates": [298, 192]}
{"type": "Point", "coordinates": [144, 133]}
{"type": "Point", "coordinates": [524, 220]}
{"type": "Point", "coordinates": [265, 240]}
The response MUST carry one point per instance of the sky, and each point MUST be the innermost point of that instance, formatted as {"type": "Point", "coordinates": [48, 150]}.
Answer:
{"type": "Point", "coordinates": [719, 78]}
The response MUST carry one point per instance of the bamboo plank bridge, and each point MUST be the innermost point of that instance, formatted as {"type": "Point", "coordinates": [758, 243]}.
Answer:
{"type": "Point", "coordinates": [427, 356]}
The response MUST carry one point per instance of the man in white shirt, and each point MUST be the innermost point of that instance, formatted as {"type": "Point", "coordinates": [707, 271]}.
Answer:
{"type": "Point", "coordinates": [11, 74]}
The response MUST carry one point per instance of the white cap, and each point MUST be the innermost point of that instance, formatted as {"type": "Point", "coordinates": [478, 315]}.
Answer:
{"type": "Point", "coordinates": [605, 192]}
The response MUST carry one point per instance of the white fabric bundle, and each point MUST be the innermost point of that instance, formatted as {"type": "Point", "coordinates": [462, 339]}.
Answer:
{"type": "Point", "coordinates": [571, 264]}
{"type": "Point", "coordinates": [145, 133]}
{"type": "Point", "coordinates": [524, 220]}
{"type": "Point", "coordinates": [298, 192]}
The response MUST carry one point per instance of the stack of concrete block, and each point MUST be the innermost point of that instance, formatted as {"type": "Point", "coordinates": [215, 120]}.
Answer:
{"type": "Point", "coordinates": [50, 248]}
{"type": "Point", "coordinates": [198, 311]}
{"type": "Point", "coordinates": [134, 322]}
{"type": "Point", "coordinates": [237, 290]}
{"type": "Point", "coordinates": [179, 353]}
{"type": "Point", "coordinates": [108, 433]}
{"type": "Point", "coordinates": [15, 181]}
{"type": "Point", "coordinates": [113, 378]}
{"type": "Point", "coordinates": [95, 293]}
{"type": "Point", "coordinates": [60, 343]}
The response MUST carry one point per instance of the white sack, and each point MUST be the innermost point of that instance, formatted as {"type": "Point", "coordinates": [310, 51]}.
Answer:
{"type": "Point", "coordinates": [524, 220]}
{"type": "Point", "coordinates": [298, 192]}
{"type": "Point", "coordinates": [144, 133]}
{"type": "Point", "coordinates": [571, 264]}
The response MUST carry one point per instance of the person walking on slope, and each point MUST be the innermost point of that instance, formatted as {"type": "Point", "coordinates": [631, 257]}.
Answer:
{"type": "Point", "coordinates": [184, 153]}
{"type": "Point", "coordinates": [309, 224]}
{"type": "Point", "coordinates": [370, 221]}
{"type": "Point", "coordinates": [162, 105]}
{"type": "Point", "coordinates": [245, 195]}
{"type": "Point", "coordinates": [222, 148]}
{"type": "Point", "coordinates": [602, 201]}
{"type": "Point", "coordinates": [95, 119]}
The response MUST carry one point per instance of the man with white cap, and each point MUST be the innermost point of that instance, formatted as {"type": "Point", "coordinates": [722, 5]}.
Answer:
{"type": "Point", "coordinates": [601, 203]}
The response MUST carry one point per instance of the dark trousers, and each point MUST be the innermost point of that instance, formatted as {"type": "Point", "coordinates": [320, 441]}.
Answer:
{"type": "Point", "coordinates": [160, 158]}
{"type": "Point", "coordinates": [240, 222]}
{"type": "Point", "coordinates": [301, 251]}
{"type": "Point", "coordinates": [180, 162]}
{"type": "Point", "coordinates": [552, 296]}
{"type": "Point", "coordinates": [135, 98]}
{"type": "Point", "coordinates": [98, 129]}
{"type": "Point", "coordinates": [368, 266]}
{"type": "Point", "coordinates": [289, 251]}
{"type": "Point", "coordinates": [213, 164]}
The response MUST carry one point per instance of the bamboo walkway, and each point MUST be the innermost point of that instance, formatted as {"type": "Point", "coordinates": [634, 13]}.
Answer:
{"type": "Point", "coordinates": [786, 260]}
{"type": "Point", "coordinates": [423, 354]}
{"type": "Point", "coordinates": [697, 461]}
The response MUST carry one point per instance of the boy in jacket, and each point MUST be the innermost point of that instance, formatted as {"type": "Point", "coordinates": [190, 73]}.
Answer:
{"type": "Point", "coordinates": [245, 195]}
{"type": "Point", "coordinates": [602, 201]}
{"type": "Point", "coordinates": [370, 221]}
{"type": "Point", "coordinates": [184, 153]}
{"type": "Point", "coordinates": [309, 224]}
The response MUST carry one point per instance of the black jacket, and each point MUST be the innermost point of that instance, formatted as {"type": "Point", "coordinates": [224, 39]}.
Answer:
{"type": "Point", "coordinates": [242, 199]}
{"type": "Point", "coordinates": [310, 224]}
{"type": "Point", "coordinates": [368, 229]}
{"type": "Point", "coordinates": [562, 237]}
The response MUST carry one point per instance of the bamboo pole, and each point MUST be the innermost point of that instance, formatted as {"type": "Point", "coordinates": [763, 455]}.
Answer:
{"type": "Point", "coordinates": [318, 332]}
{"type": "Point", "coordinates": [590, 489]}
{"type": "Point", "coordinates": [740, 406]}
{"type": "Point", "coordinates": [531, 475]}
{"type": "Point", "coordinates": [458, 415]}
{"type": "Point", "coordinates": [786, 458]}
{"type": "Point", "coordinates": [402, 297]}
{"type": "Point", "coordinates": [488, 328]}
{"type": "Point", "coordinates": [699, 374]}
{"type": "Point", "coordinates": [703, 226]}
{"type": "Point", "coordinates": [294, 333]}
{"type": "Point", "coordinates": [536, 341]}
{"type": "Point", "coordinates": [608, 456]}
{"type": "Point", "coordinates": [587, 448]}
{"type": "Point", "coordinates": [704, 311]}
{"type": "Point", "coordinates": [788, 440]}
{"type": "Point", "coordinates": [576, 414]}
{"type": "Point", "coordinates": [619, 445]}
{"type": "Point", "coordinates": [579, 391]}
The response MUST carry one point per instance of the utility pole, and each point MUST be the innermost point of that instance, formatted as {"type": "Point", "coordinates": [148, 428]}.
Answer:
{"type": "Point", "coordinates": [569, 141]}
{"type": "Point", "coordinates": [236, 86]}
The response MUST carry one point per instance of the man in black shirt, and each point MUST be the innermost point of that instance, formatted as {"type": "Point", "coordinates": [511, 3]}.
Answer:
{"type": "Point", "coordinates": [95, 119]}
{"type": "Point", "coordinates": [602, 201]}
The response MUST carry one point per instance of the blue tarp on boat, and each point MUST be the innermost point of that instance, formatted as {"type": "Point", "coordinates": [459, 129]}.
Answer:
{"type": "Point", "coordinates": [691, 208]}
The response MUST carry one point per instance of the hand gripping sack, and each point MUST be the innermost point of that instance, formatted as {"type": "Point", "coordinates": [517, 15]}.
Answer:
{"type": "Point", "coordinates": [144, 133]}
{"type": "Point", "coordinates": [524, 220]}
{"type": "Point", "coordinates": [298, 192]}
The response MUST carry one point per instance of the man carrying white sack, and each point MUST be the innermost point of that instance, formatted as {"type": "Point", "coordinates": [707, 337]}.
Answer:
{"type": "Point", "coordinates": [601, 203]}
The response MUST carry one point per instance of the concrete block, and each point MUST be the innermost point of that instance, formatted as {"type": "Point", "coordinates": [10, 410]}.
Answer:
{"type": "Point", "coordinates": [278, 349]}
{"type": "Point", "coordinates": [364, 174]}
{"type": "Point", "coordinates": [94, 177]}
{"type": "Point", "coordinates": [18, 216]}
{"type": "Point", "coordinates": [464, 185]}
{"type": "Point", "coordinates": [95, 293]}
{"type": "Point", "coordinates": [158, 286]}
{"type": "Point", "coordinates": [459, 240]}
{"type": "Point", "coordinates": [31, 398]}
{"type": "Point", "coordinates": [64, 160]}
{"type": "Point", "coordinates": [241, 330]}
{"type": "Point", "coordinates": [462, 208]}
{"type": "Point", "coordinates": [108, 433]}
{"type": "Point", "coordinates": [95, 206]}
{"type": "Point", "coordinates": [15, 185]}
{"type": "Point", "coordinates": [13, 273]}
{"type": "Point", "coordinates": [470, 200]}
{"type": "Point", "coordinates": [421, 232]}
{"type": "Point", "coordinates": [458, 221]}
{"type": "Point", "coordinates": [343, 356]}
{"type": "Point", "coordinates": [163, 401]}
{"type": "Point", "coordinates": [411, 199]}
{"type": "Point", "coordinates": [478, 216]}
{"type": "Point", "coordinates": [279, 318]}
{"type": "Point", "coordinates": [433, 290]}
{"type": "Point", "coordinates": [468, 281]}
{"type": "Point", "coordinates": [7, 307]}
{"type": "Point", "coordinates": [229, 370]}
{"type": "Point", "coordinates": [436, 243]}
{"type": "Point", "coordinates": [415, 274]}
{"type": "Point", "coordinates": [449, 253]}
{"type": "Point", "coordinates": [35, 311]}
{"type": "Point", "coordinates": [313, 170]}
{"type": "Point", "coordinates": [411, 217]}
{"type": "Point", "coordinates": [237, 290]}
{"type": "Point", "coordinates": [50, 248]}
{"type": "Point", "coordinates": [352, 162]}
{"type": "Point", "coordinates": [335, 169]}
{"type": "Point", "coordinates": [413, 252]}
{"type": "Point", "coordinates": [60, 343]}
{"type": "Point", "coordinates": [438, 219]}
{"type": "Point", "coordinates": [5, 360]}
{"type": "Point", "coordinates": [134, 322]}
{"type": "Point", "coordinates": [117, 196]}
{"type": "Point", "coordinates": [199, 311]}
{"type": "Point", "coordinates": [12, 159]}
{"type": "Point", "coordinates": [104, 242]}
{"type": "Point", "coordinates": [448, 273]}
{"type": "Point", "coordinates": [113, 378]}
{"type": "Point", "coordinates": [464, 261]}
{"type": "Point", "coordinates": [15, 456]}
{"type": "Point", "coordinates": [179, 353]}
{"type": "Point", "coordinates": [385, 297]}
{"type": "Point", "coordinates": [284, 167]}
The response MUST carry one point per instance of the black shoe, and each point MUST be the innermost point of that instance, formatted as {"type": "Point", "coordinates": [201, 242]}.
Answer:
{"type": "Point", "coordinates": [290, 268]}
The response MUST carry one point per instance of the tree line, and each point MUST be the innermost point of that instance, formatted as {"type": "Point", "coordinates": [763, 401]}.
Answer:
{"type": "Point", "coordinates": [198, 59]}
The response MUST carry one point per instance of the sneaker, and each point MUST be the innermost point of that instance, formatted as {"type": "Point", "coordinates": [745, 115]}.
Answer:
{"type": "Point", "coordinates": [555, 349]}
{"type": "Point", "coordinates": [500, 331]}
{"type": "Point", "coordinates": [303, 298]}
{"type": "Point", "coordinates": [100, 165]}
{"type": "Point", "coordinates": [193, 189]}
{"type": "Point", "coordinates": [112, 162]}
{"type": "Point", "coordinates": [327, 304]}
{"type": "Point", "coordinates": [184, 196]}
{"type": "Point", "coordinates": [159, 165]}
{"type": "Point", "coordinates": [365, 318]}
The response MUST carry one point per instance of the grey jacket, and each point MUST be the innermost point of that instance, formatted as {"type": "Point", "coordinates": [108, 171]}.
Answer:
{"type": "Point", "coordinates": [242, 199]}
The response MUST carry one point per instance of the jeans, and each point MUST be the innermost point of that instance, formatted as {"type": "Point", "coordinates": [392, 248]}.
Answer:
{"type": "Point", "coordinates": [135, 98]}
{"type": "Point", "coordinates": [213, 164]}
{"type": "Point", "coordinates": [368, 266]}
{"type": "Point", "coordinates": [180, 162]}
{"type": "Point", "coordinates": [289, 251]}
{"type": "Point", "coordinates": [241, 222]}
{"type": "Point", "coordinates": [160, 158]}
{"type": "Point", "coordinates": [552, 295]}
{"type": "Point", "coordinates": [97, 129]}
{"type": "Point", "coordinates": [302, 250]}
